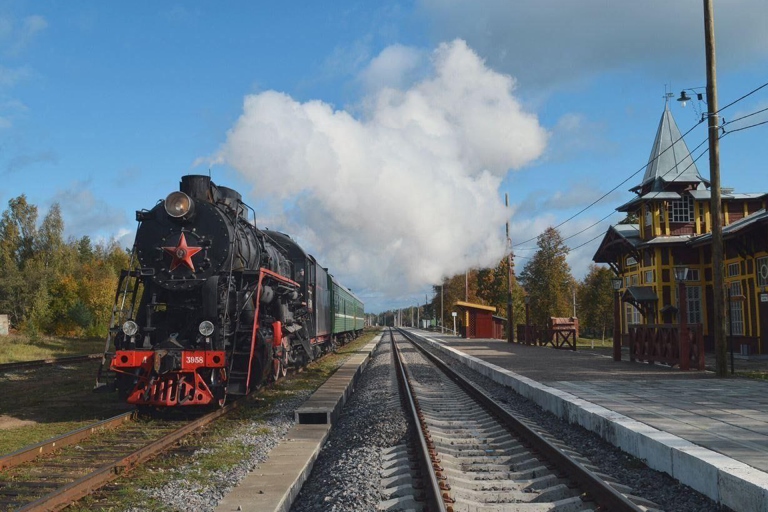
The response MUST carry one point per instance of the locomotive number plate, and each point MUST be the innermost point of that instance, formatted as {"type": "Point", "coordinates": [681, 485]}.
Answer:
{"type": "Point", "coordinates": [194, 360]}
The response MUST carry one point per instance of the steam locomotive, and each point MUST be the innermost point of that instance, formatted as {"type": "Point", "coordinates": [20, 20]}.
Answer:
{"type": "Point", "coordinates": [212, 307]}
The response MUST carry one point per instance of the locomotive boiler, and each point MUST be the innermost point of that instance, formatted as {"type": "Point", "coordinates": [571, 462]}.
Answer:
{"type": "Point", "coordinates": [213, 307]}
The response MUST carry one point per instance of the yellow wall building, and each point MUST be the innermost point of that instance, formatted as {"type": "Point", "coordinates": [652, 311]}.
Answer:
{"type": "Point", "coordinates": [669, 226]}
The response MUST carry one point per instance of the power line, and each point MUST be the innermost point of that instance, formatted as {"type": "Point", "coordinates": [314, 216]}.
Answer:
{"type": "Point", "coordinates": [647, 164]}
{"type": "Point", "coordinates": [745, 127]}
{"type": "Point", "coordinates": [614, 212]}
{"type": "Point", "coordinates": [693, 162]}
{"type": "Point", "coordinates": [738, 100]}
{"type": "Point", "coordinates": [744, 117]}
{"type": "Point", "coordinates": [616, 187]}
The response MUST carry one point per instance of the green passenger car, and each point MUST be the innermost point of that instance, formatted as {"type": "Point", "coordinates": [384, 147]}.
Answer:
{"type": "Point", "coordinates": [348, 314]}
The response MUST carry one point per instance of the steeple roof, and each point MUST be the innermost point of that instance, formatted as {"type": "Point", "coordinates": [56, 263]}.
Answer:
{"type": "Point", "coordinates": [670, 160]}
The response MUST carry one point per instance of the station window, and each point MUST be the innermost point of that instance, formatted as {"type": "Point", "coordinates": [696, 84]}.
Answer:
{"type": "Point", "coordinates": [737, 310]}
{"type": "Point", "coordinates": [682, 209]}
{"type": "Point", "coordinates": [693, 275]}
{"type": "Point", "coordinates": [648, 276]}
{"type": "Point", "coordinates": [762, 271]}
{"type": "Point", "coordinates": [693, 294]}
{"type": "Point", "coordinates": [633, 315]}
{"type": "Point", "coordinates": [733, 269]}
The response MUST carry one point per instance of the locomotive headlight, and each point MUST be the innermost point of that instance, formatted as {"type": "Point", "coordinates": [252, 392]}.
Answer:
{"type": "Point", "coordinates": [206, 328]}
{"type": "Point", "coordinates": [178, 204]}
{"type": "Point", "coordinates": [130, 328]}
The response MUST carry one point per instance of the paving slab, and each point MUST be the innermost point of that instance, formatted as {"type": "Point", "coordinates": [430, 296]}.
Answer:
{"type": "Point", "coordinates": [709, 433]}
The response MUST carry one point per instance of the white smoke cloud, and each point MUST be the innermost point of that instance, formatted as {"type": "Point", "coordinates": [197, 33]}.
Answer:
{"type": "Point", "coordinates": [406, 192]}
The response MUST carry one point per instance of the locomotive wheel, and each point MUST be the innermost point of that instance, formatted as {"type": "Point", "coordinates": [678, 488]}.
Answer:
{"type": "Point", "coordinates": [284, 363]}
{"type": "Point", "coordinates": [280, 362]}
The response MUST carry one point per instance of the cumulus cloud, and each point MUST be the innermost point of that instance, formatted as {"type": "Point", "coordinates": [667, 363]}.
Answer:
{"type": "Point", "coordinates": [408, 191]}
{"type": "Point", "coordinates": [395, 67]}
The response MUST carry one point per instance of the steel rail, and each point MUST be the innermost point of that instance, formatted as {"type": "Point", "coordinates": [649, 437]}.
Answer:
{"type": "Point", "coordinates": [595, 487]}
{"type": "Point", "coordinates": [18, 365]}
{"type": "Point", "coordinates": [424, 455]}
{"type": "Point", "coordinates": [87, 484]}
{"type": "Point", "coordinates": [32, 452]}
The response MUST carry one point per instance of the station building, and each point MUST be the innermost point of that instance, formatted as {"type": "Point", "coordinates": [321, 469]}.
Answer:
{"type": "Point", "coordinates": [668, 225]}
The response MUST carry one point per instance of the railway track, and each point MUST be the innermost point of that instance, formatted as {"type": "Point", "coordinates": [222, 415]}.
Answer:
{"type": "Point", "coordinates": [472, 454]}
{"type": "Point", "coordinates": [20, 365]}
{"type": "Point", "coordinates": [56, 473]}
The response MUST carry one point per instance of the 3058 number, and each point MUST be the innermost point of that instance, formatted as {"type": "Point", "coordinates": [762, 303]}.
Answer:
{"type": "Point", "coordinates": [194, 360]}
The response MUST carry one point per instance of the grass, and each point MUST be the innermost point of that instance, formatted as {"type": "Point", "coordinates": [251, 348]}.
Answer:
{"type": "Point", "coordinates": [18, 347]}
{"type": "Point", "coordinates": [216, 448]}
{"type": "Point", "coordinates": [16, 438]}
{"type": "Point", "coordinates": [40, 403]}
{"type": "Point", "coordinates": [588, 343]}
{"type": "Point", "coordinates": [752, 374]}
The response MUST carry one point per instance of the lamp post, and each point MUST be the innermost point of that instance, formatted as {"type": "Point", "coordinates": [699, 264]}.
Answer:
{"type": "Point", "coordinates": [681, 272]}
{"type": "Point", "coordinates": [616, 283]}
{"type": "Point", "coordinates": [442, 313]}
{"type": "Point", "coordinates": [527, 319]}
{"type": "Point", "coordinates": [510, 319]}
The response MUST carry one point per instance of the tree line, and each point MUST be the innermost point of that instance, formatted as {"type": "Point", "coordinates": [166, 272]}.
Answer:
{"type": "Point", "coordinates": [545, 278]}
{"type": "Point", "coordinates": [53, 286]}
{"type": "Point", "coordinates": [59, 287]}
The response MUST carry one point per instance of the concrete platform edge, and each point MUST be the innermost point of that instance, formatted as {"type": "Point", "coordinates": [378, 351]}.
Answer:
{"type": "Point", "coordinates": [250, 495]}
{"type": "Point", "coordinates": [721, 478]}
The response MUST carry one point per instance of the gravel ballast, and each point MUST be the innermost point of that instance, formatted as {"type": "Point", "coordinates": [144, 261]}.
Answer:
{"type": "Point", "coordinates": [346, 475]}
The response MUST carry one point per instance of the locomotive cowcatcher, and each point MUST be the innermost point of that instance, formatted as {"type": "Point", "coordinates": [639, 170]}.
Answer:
{"type": "Point", "coordinates": [211, 307]}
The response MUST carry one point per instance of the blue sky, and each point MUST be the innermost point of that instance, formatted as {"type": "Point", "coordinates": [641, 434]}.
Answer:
{"type": "Point", "coordinates": [382, 135]}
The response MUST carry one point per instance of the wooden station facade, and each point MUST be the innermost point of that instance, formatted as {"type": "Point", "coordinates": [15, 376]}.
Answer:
{"type": "Point", "coordinates": [669, 225]}
{"type": "Point", "coordinates": [479, 321]}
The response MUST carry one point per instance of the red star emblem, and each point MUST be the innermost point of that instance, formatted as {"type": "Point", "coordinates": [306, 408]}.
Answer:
{"type": "Point", "coordinates": [182, 253]}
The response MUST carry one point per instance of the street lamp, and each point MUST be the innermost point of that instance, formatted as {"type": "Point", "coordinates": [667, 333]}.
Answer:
{"type": "Point", "coordinates": [681, 273]}
{"type": "Point", "coordinates": [616, 283]}
{"type": "Point", "coordinates": [527, 319]}
{"type": "Point", "coordinates": [684, 98]}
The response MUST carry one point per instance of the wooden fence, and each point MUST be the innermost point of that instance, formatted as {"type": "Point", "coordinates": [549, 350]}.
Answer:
{"type": "Point", "coordinates": [662, 343]}
{"type": "Point", "coordinates": [558, 338]}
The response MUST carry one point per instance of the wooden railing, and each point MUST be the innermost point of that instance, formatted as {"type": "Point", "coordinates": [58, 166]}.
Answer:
{"type": "Point", "coordinates": [662, 343]}
{"type": "Point", "coordinates": [558, 338]}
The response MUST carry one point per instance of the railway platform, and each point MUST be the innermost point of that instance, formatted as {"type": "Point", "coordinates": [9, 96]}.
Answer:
{"type": "Point", "coordinates": [275, 484]}
{"type": "Point", "coordinates": [709, 433]}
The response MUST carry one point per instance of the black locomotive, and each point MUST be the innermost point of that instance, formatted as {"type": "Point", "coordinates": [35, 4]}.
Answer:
{"type": "Point", "coordinates": [213, 307]}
